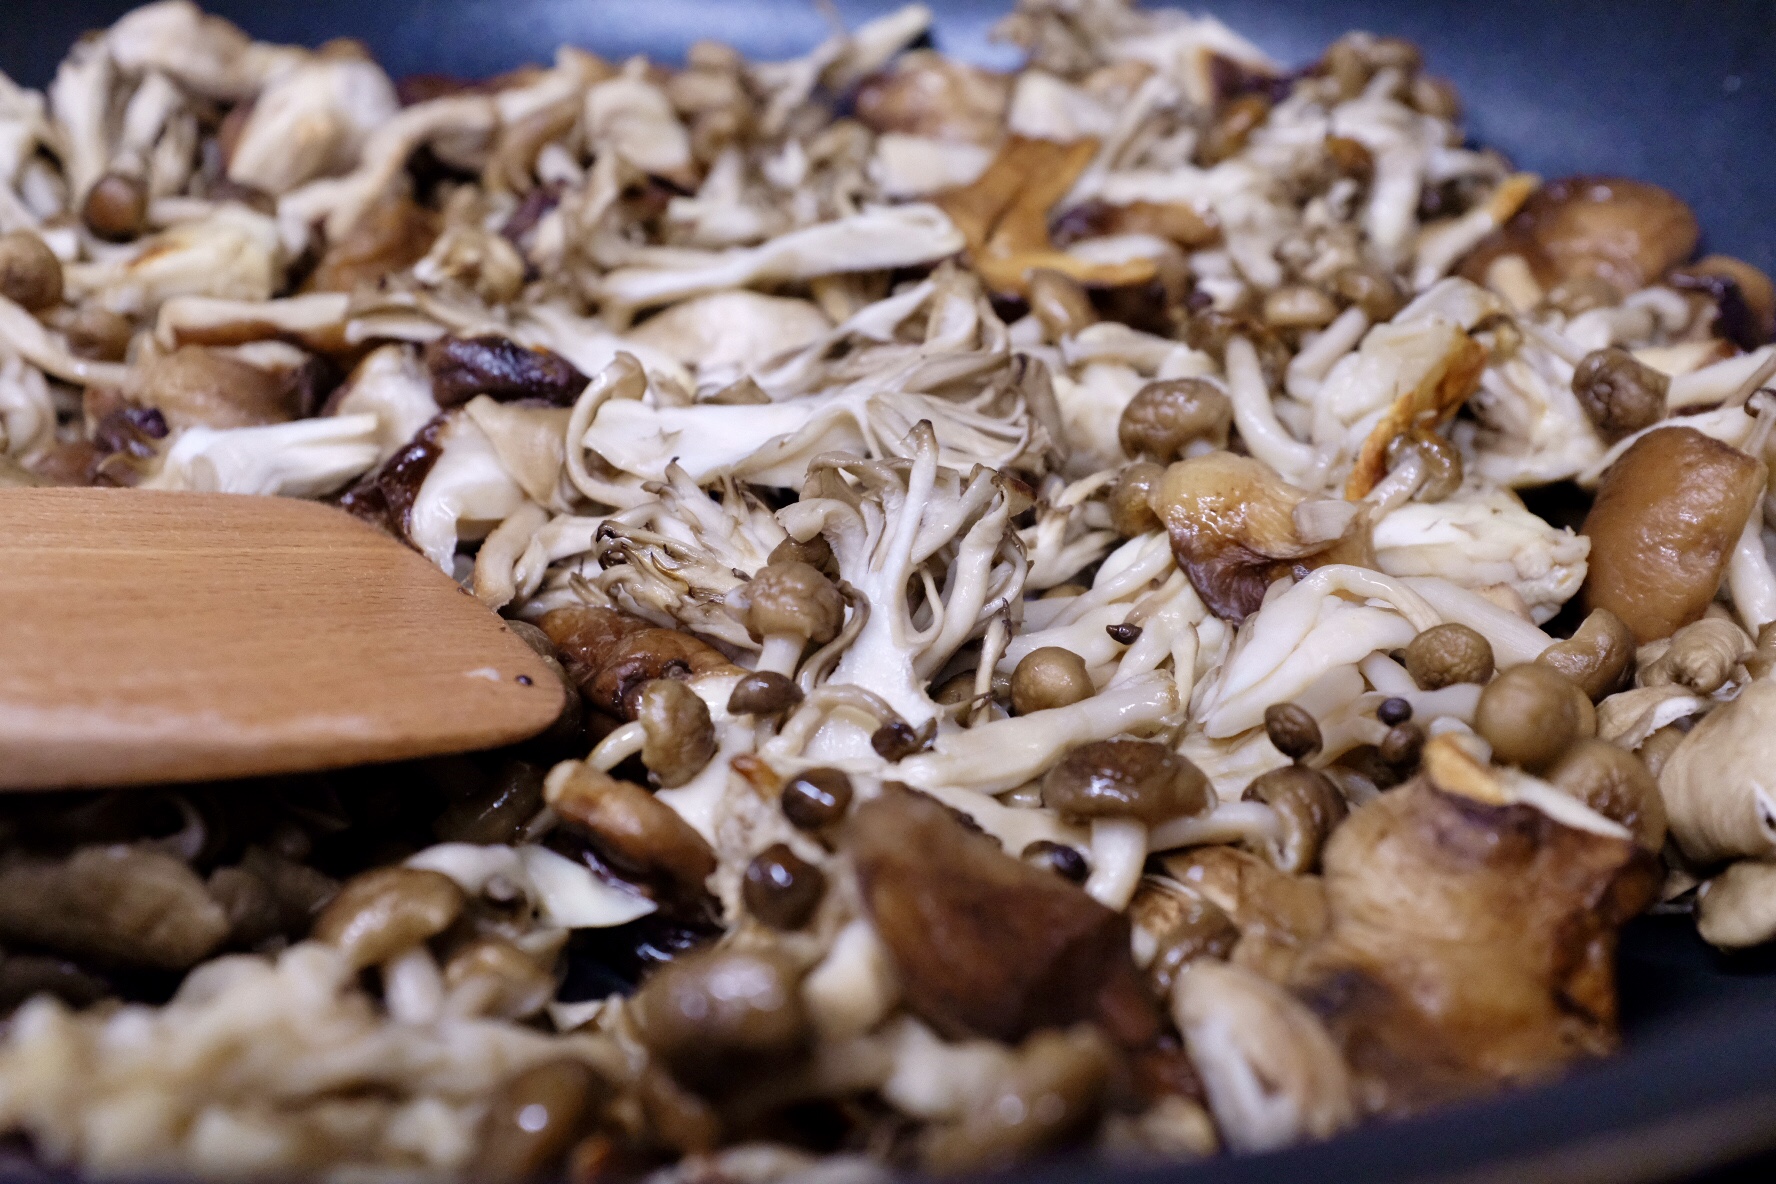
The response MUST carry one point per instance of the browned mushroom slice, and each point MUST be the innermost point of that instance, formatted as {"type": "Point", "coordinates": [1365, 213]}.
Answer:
{"type": "Point", "coordinates": [463, 367]}
{"type": "Point", "coordinates": [612, 655]}
{"type": "Point", "coordinates": [1470, 943]}
{"type": "Point", "coordinates": [1176, 221]}
{"type": "Point", "coordinates": [129, 906]}
{"type": "Point", "coordinates": [393, 234]}
{"type": "Point", "coordinates": [384, 497]}
{"type": "Point", "coordinates": [197, 386]}
{"type": "Point", "coordinates": [927, 94]}
{"type": "Point", "coordinates": [1277, 914]}
{"type": "Point", "coordinates": [1444, 366]}
{"type": "Point", "coordinates": [1233, 528]}
{"type": "Point", "coordinates": [632, 829]}
{"type": "Point", "coordinates": [1667, 516]}
{"type": "Point", "coordinates": [1625, 232]}
{"type": "Point", "coordinates": [987, 945]}
{"type": "Point", "coordinates": [1744, 298]}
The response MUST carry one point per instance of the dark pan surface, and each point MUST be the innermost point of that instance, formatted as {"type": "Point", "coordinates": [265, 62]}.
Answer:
{"type": "Point", "coordinates": [1680, 92]}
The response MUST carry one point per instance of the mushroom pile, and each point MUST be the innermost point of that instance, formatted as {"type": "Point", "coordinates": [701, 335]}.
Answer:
{"type": "Point", "coordinates": [1151, 602]}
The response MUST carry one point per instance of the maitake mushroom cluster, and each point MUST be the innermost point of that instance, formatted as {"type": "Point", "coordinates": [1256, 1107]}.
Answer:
{"type": "Point", "coordinates": [1059, 654]}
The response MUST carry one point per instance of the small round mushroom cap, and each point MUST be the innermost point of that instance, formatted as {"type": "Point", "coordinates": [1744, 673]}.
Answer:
{"type": "Point", "coordinates": [1620, 393]}
{"type": "Point", "coordinates": [781, 888]}
{"type": "Point", "coordinates": [679, 735]}
{"type": "Point", "coordinates": [816, 552]}
{"type": "Point", "coordinates": [1293, 729]}
{"type": "Point", "coordinates": [534, 1118]}
{"type": "Point", "coordinates": [1394, 711]}
{"type": "Point", "coordinates": [30, 273]}
{"type": "Point", "coordinates": [1401, 747]}
{"type": "Point", "coordinates": [817, 798]}
{"type": "Point", "coordinates": [116, 208]}
{"type": "Point", "coordinates": [1307, 806]}
{"type": "Point", "coordinates": [1615, 783]}
{"type": "Point", "coordinates": [1597, 656]}
{"type": "Point", "coordinates": [388, 911]}
{"type": "Point", "coordinates": [1371, 289]}
{"type": "Point", "coordinates": [794, 598]}
{"type": "Point", "coordinates": [1530, 716]}
{"type": "Point", "coordinates": [764, 692]}
{"type": "Point", "coordinates": [1165, 416]}
{"type": "Point", "coordinates": [1445, 655]}
{"type": "Point", "coordinates": [1049, 677]}
{"type": "Point", "coordinates": [1298, 306]}
{"type": "Point", "coordinates": [1130, 512]}
{"type": "Point", "coordinates": [1064, 861]}
{"type": "Point", "coordinates": [711, 1013]}
{"type": "Point", "coordinates": [1138, 779]}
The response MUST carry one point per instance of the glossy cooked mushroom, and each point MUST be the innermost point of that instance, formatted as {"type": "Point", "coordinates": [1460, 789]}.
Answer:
{"type": "Point", "coordinates": [611, 655]}
{"type": "Point", "coordinates": [630, 827]}
{"type": "Point", "coordinates": [984, 944]}
{"type": "Point", "coordinates": [1620, 393]}
{"type": "Point", "coordinates": [1165, 416]}
{"type": "Point", "coordinates": [1598, 656]}
{"type": "Point", "coordinates": [1667, 517]}
{"type": "Point", "coordinates": [1625, 232]}
{"type": "Point", "coordinates": [1136, 779]}
{"type": "Point", "coordinates": [1447, 654]}
{"type": "Point", "coordinates": [713, 1014]}
{"type": "Point", "coordinates": [1308, 807]}
{"type": "Point", "coordinates": [790, 604]}
{"type": "Point", "coordinates": [680, 738]}
{"type": "Point", "coordinates": [30, 273]}
{"type": "Point", "coordinates": [1530, 714]}
{"type": "Point", "coordinates": [1049, 677]}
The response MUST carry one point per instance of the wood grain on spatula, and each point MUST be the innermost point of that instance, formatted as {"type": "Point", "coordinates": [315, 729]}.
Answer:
{"type": "Point", "coordinates": [154, 637]}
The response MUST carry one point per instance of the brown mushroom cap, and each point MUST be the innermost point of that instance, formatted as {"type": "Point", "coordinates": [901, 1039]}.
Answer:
{"type": "Point", "coordinates": [1614, 782]}
{"type": "Point", "coordinates": [1049, 677]}
{"type": "Point", "coordinates": [1626, 232]}
{"type": "Point", "coordinates": [680, 737]}
{"type": "Point", "coordinates": [985, 944]}
{"type": "Point", "coordinates": [30, 273]}
{"type": "Point", "coordinates": [1130, 511]}
{"type": "Point", "coordinates": [1445, 655]}
{"type": "Point", "coordinates": [795, 598]}
{"type": "Point", "coordinates": [1307, 806]}
{"type": "Point", "coordinates": [1619, 392]}
{"type": "Point", "coordinates": [715, 1013]}
{"type": "Point", "coordinates": [1596, 656]}
{"type": "Point", "coordinates": [632, 829]}
{"type": "Point", "coordinates": [1530, 715]}
{"type": "Point", "coordinates": [1743, 294]}
{"type": "Point", "coordinates": [1293, 730]}
{"type": "Point", "coordinates": [1138, 779]}
{"type": "Point", "coordinates": [1165, 416]}
{"type": "Point", "coordinates": [194, 386]}
{"type": "Point", "coordinates": [1667, 517]}
{"type": "Point", "coordinates": [611, 655]}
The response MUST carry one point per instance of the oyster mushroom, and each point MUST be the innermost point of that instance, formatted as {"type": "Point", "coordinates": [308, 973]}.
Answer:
{"type": "Point", "coordinates": [1667, 517]}
{"type": "Point", "coordinates": [311, 122]}
{"type": "Point", "coordinates": [1699, 657]}
{"type": "Point", "coordinates": [1235, 527]}
{"type": "Point", "coordinates": [194, 385]}
{"type": "Point", "coordinates": [985, 944]}
{"type": "Point", "coordinates": [612, 655]}
{"type": "Point", "coordinates": [1470, 934]}
{"type": "Point", "coordinates": [1737, 909]}
{"type": "Point", "coordinates": [1272, 1073]}
{"type": "Point", "coordinates": [1717, 785]}
{"type": "Point", "coordinates": [1277, 914]}
{"type": "Point", "coordinates": [1627, 233]}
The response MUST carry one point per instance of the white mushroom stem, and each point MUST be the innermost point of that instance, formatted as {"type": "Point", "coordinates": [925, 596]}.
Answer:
{"type": "Point", "coordinates": [1728, 382]}
{"type": "Point", "coordinates": [412, 988]}
{"type": "Point", "coordinates": [1253, 823]}
{"type": "Point", "coordinates": [1118, 849]}
{"type": "Point", "coordinates": [1749, 579]}
{"type": "Point", "coordinates": [1316, 359]}
{"type": "Point", "coordinates": [617, 747]}
{"type": "Point", "coordinates": [780, 653]}
{"type": "Point", "coordinates": [1259, 427]}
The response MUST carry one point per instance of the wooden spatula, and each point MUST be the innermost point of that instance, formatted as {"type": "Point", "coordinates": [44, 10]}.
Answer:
{"type": "Point", "coordinates": [153, 637]}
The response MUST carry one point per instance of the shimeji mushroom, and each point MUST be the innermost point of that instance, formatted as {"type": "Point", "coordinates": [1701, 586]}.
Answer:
{"type": "Point", "coordinates": [1122, 788]}
{"type": "Point", "coordinates": [789, 605]}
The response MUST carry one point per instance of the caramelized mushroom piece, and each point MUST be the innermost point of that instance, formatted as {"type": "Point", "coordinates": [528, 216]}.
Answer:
{"type": "Point", "coordinates": [764, 692]}
{"type": "Point", "coordinates": [393, 234]}
{"type": "Point", "coordinates": [30, 273]}
{"type": "Point", "coordinates": [1744, 298]}
{"type": "Point", "coordinates": [1173, 927]}
{"type": "Point", "coordinates": [1667, 517]}
{"type": "Point", "coordinates": [1165, 416]}
{"type": "Point", "coordinates": [535, 1118]}
{"type": "Point", "coordinates": [1138, 779]}
{"type": "Point", "coordinates": [500, 368]}
{"type": "Point", "coordinates": [815, 799]}
{"type": "Point", "coordinates": [1597, 656]}
{"type": "Point", "coordinates": [612, 655]}
{"type": "Point", "coordinates": [1626, 232]}
{"type": "Point", "coordinates": [928, 94]}
{"type": "Point", "coordinates": [781, 888]}
{"type": "Point", "coordinates": [196, 386]}
{"type": "Point", "coordinates": [987, 945]}
{"type": "Point", "coordinates": [1232, 525]}
{"type": "Point", "coordinates": [126, 906]}
{"type": "Point", "coordinates": [634, 830]}
{"type": "Point", "coordinates": [1470, 944]}
{"type": "Point", "coordinates": [1277, 914]}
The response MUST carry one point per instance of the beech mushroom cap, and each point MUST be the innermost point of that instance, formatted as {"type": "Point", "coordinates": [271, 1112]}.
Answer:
{"type": "Point", "coordinates": [1137, 779]}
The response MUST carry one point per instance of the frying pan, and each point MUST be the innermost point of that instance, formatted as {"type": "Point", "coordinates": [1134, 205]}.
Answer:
{"type": "Point", "coordinates": [1681, 94]}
